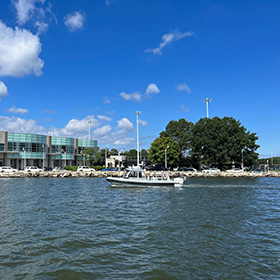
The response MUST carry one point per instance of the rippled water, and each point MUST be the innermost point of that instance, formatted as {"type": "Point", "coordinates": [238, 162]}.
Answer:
{"type": "Point", "coordinates": [212, 228]}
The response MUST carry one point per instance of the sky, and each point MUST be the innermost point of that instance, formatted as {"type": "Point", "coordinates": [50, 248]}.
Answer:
{"type": "Point", "coordinates": [63, 63]}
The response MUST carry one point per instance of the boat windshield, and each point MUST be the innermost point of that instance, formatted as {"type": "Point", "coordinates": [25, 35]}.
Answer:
{"type": "Point", "coordinates": [134, 174]}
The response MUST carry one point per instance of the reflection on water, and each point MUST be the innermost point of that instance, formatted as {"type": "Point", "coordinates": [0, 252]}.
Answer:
{"type": "Point", "coordinates": [81, 228]}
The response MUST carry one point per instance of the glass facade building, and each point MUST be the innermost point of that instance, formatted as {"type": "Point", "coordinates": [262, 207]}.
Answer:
{"type": "Point", "coordinates": [21, 149]}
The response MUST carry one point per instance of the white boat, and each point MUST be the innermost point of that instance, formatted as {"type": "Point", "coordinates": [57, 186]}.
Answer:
{"type": "Point", "coordinates": [136, 177]}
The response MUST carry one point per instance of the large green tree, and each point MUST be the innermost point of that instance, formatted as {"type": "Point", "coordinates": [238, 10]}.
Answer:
{"type": "Point", "coordinates": [157, 151]}
{"type": "Point", "coordinates": [180, 132]}
{"type": "Point", "coordinates": [222, 141]}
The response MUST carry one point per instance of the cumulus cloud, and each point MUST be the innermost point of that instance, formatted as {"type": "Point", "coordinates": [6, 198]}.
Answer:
{"type": "Point", "coordinates": [18, 110]}
{"type": "Point", "coordinates": [104, 118]}
{"type": "Point", "coordinates": [102, 131]}
{"type": "Point", "coordinates": [34, 11]}
{"type": "Point", "coordinates": [125, 124]}
{"type": "Point", "coordinates": [152, 89]}
{"type": "Point", "coordinates": [75, 127]}
{"type": "Point", "coordinates": [3, 90]}
{"type": "Point", "coordinates": [169, 38]}
{"type": "Point", "coordinates": [19, 125]}
{"type": "Point", "coordinates": [183, 87]}
{"type": "Point", "coordinates": [135, 96]}
{"type": "Point", "coordinates": [75, 21]}
{"type": "Point", "coordinates": [19, 52]}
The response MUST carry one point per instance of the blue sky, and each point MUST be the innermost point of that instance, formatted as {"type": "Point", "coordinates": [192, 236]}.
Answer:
{"type": "Point", "coordinates": [63, 63]}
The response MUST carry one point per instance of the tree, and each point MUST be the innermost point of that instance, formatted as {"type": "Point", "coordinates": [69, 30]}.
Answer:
{"type": "Point", "coordinates": [157, 151]}
{"type": "Point", "coordinates": [180, 132]}
{"type": "Point", "coordinates": [221, 141]}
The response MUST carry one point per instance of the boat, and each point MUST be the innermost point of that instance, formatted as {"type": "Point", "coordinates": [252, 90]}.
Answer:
{"type": "Point", "coordinates": [135, 176]}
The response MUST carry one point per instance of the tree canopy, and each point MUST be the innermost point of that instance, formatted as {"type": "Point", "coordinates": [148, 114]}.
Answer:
{"type": "Point", "coordinates": [221, 141]}
{"type": "Point", "coordinates": [179, 132]}
{"type": "Point", "coordinates": [157, 151]}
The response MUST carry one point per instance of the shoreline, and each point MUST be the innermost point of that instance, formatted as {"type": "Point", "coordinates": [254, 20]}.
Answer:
{"type": "Point", "coordinates": [104, 174]}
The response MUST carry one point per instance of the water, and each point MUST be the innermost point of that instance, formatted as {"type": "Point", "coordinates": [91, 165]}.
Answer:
{"type": "Point", "coordinates": [81, 228]}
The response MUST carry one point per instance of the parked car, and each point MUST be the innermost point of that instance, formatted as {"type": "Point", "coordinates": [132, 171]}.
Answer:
{"type": "Point", "coordinates": [7, 169]}
{"type": "Point", "coordinates": [155, 168]}
{"type": "Point", "coordinates": [110, 169]}
{"type": "Point", "coordinates": [257, 170]}
{"type": "Point", "coordinates": [85, 169]}
{"type": "Point", "coordinates": [58, 169]}
{"type": "Point", "coordinates": [235, 170]}
{"type": "Point", "coordinates": [212, 171]}
{"type": "Point", "coordinates": [33, 169]}
{"type": "Point", "coordinates": [187, 169]}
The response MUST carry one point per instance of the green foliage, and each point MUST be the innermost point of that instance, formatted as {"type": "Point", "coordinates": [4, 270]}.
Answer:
{"type": "Point", "coordinates": [221, 141]}
{"type": "Point", "coordinates": [179, 132]}
{"type": "Point", "coordinates": [157, 151]}
{"type": "Point", "coordinates": [71, 168]}
{"type": "Point", "coordinates": [131, 153]}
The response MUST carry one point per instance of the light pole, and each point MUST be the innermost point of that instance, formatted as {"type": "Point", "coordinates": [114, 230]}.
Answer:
{"type": "Point", "coordinates": [137, 114]}
{"type": "Point", "coordinates": [52, 130]}
{"type": "Point", "coordinates": [24, 157]}
{"type": "Point", "coordinates": [106, 156]}
{"type": "Point", "coordinates": [166, 156]}
{"type": "Point", "coordinates": [119, 156]}
{"type": "Point", "coordinates": [207, 100]}
{"type": "Point", "coordinates": [89, 122]}
{"type": "Point", "coordinates": [43, 146]}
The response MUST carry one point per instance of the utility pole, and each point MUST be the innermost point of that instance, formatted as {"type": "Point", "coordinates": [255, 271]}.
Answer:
{"type": "Point", "coordinates": [89, 122]}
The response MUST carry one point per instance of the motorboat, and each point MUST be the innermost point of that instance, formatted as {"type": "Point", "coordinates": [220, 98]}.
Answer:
{"type": "Point", "coordinates": [135, 176]}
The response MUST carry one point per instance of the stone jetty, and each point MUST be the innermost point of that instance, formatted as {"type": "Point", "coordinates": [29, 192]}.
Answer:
{"type": "Point", "coordinates": [100, 174]}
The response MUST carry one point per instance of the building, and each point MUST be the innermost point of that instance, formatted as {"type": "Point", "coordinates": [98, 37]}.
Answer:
{"type": "Point", "coordinates": [19, 150]}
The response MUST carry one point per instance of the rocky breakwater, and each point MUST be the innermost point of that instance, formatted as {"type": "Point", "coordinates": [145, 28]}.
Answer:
{"type": "Point", "coordinates": [100, 174]}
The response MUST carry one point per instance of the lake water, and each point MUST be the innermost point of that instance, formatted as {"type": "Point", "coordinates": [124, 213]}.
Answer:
{"type": "Point", "coordinates": [81, 228]}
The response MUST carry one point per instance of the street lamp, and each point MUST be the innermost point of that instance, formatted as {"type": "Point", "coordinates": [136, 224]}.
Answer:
{"type": "Point", "coordinates": [137, 114]}
{"type": "Point", "coordinates": [89, 122]}
{"type": "Point", "coordinates": [106, 156]}
{"type": "Point", "coordinates": [207, 100]}
{"type": "Point", "coordinates": [43, 146]}
{"type": "Point", "coordinates": [24, 157]}
{"type": "Point", "coordinates": [166, 156]}
{"type": "Point", "coordinates": [119, 157]}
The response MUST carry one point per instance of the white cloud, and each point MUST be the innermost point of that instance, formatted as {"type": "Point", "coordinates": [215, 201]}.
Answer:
{"type": "Point", "coordinates": [49, 111]}
{"type": "Point", "coordinates": [169, 38]}
{"type": "Point", "coordinates": [135, 96]}
{"type": "Point", "coordinates": [183, 87]}
{"type": "Point", "coordinates": [104, 118]}
{"type": "Point", "coordinates": [18, 110]}
{"type": "Point", "coordinates": [19, 125]}
{"type": "Point", "coordinates": [77, 127]}
{"type": "Point", "coordinates": [75, 21]}
{"type": "Point", "coordinates": [125, 124]}
{"type": "Point", "coordinates": [106, 100]}
{"type": "Point", "coordinates": [19, 52]}
{"type": "Point", "coordinates": [152, 89]}
{"type": "Point", "coordinates": [3, 90]}
{"type": "Point", "coordinates": [143, 123]}
{"type": "Point", "coordinates": [184, 108]}
{"type": "Point", "coordinates": [102, 131]}
{"type": "Point", "coordinates": [108, 2]}
{"type": "Point", "coordinates": [34, 11]}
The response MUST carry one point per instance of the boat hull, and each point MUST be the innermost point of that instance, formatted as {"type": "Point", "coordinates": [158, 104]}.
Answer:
{"type": "Point", "coordinates": [138, 182]}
